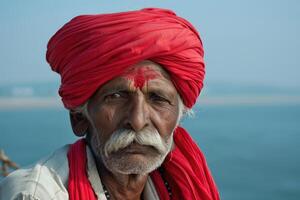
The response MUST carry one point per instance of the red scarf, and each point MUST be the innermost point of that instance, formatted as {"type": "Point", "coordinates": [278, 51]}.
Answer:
{"type": "Point", "coordinates": [185, 170]}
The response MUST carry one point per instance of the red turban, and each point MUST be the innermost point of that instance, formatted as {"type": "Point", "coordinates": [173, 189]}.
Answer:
{"type": "Point", "coordinates": [90, 50]}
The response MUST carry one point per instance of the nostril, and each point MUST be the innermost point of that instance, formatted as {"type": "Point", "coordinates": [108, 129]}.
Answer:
{"type": "Point", "coordinates": [128, 126]}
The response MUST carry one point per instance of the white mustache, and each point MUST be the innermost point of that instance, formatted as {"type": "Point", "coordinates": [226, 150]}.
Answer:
{"type": "Point", "coordinates": [124, 137]}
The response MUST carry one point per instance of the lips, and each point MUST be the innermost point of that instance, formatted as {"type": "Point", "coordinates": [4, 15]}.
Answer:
{"type": "Point", "coordinates": [135, 148]}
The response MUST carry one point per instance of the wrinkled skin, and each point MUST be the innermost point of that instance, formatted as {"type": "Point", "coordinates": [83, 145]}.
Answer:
{"type": "Point", "coordinates": [142, 98]}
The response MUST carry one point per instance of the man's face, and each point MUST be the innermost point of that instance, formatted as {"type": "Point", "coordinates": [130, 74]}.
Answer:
{"type": "Point", "coordinates": [132, 119]}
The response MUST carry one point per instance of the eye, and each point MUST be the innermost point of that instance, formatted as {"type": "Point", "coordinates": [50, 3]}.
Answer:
{"type": "Point", "coordinates": [115, 96]}
{"type": "Point", "coordinates": [158, 98]}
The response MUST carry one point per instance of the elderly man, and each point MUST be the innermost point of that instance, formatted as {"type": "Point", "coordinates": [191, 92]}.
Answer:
{"type": "Point", "coordinates": [127, 79]}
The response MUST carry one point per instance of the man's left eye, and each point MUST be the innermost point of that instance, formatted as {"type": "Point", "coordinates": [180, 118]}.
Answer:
{"type": "Point", "coordinates": [157, 98]}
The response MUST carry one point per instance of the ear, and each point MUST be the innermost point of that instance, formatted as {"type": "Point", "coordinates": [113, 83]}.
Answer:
{"type": "Point", "coordinates": [79, 123]}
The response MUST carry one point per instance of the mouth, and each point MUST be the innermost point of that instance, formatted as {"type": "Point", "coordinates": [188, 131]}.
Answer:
{"type": "Point", "coordinates": [135, 148]}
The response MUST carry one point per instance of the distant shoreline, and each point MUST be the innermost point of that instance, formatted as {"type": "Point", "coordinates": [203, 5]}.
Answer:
{"type": "Point", "coordinates": [10, 103]}
{"type": "Point", "coordinates": [236, 100]}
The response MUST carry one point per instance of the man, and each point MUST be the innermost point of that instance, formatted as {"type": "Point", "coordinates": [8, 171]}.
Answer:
{"type": "Point", "coordinates": [126, 78]}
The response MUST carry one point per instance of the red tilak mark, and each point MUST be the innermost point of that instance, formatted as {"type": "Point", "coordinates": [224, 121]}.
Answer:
{"type": "Point", "coordinates": [141, 75]}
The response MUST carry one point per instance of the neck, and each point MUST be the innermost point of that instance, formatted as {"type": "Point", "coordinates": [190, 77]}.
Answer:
{"type": "Point", "coordinates": [122, 186]}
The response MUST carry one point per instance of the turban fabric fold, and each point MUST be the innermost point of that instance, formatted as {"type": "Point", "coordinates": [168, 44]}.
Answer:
{"type": "Point", "coordinates": [90, 50]}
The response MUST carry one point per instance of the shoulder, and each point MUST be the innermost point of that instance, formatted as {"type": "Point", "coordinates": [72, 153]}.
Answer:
{"type": "Point", "coordinates": [47, 179]}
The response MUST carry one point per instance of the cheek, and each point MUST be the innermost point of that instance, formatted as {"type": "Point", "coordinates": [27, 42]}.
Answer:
{"type": "Point", "coordinates": [107, 116]}
{"type": "Point", "coordinates": [165, 121]}
{"type": "Point", "coordinates": [105, 121]}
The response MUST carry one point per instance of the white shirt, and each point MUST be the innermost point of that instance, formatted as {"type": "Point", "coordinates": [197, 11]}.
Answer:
{"type": "Point", "coordinates": [48, 179]}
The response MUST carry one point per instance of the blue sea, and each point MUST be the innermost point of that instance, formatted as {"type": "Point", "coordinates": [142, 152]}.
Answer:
{"type": "Point", "coordinates": [253, 150]}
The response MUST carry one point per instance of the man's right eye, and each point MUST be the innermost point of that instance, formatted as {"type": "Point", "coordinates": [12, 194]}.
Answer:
{"type": "Point", "coordinates": [114, 96]}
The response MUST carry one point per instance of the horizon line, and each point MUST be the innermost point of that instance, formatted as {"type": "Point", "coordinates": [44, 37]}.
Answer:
{"type": "Point", "coordinates": [11, 103]}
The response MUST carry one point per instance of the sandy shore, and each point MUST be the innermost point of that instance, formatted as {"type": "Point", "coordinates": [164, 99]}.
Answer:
{"type": "Point", "coordinates": [32, 102]}
{"type": "Point", "coordinates": [55, 102]}
{"type": "Point", "coordinates": [250, 100]}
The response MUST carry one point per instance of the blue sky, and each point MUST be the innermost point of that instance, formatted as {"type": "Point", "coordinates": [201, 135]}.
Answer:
{"type": "Point", "coordinates": [246, 42]}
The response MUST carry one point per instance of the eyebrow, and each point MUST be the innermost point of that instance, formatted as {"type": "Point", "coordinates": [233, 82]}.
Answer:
{"type": "Point", "coordinates": [115, 88]}
{"type": "Point", "coordinates": [161, 92]}
{"type": "Point", "coordinates": [121, 86]}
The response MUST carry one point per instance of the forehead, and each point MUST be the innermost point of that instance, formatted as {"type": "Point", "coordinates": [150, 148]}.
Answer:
{"type": "Point", "coordinates": [142, 76]}
{"type": "Point", "coordinates": [146, 66]}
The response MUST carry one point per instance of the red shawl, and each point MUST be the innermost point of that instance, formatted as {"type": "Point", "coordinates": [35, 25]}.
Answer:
{"type": "Point", "coordinates": [185, 170]}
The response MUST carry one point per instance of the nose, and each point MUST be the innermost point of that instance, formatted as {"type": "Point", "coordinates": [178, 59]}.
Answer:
{"type": "Point", "coordinates": [138, 113]}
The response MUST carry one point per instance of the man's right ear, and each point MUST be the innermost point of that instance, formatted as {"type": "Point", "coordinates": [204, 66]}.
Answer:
{"type": "Point", "coordinates": [79, 123]}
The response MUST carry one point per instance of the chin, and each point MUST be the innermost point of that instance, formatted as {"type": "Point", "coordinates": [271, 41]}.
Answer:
{"type": "Point", "coordinates": [131, 159]}
{"type": "Point", "coordinates": [133, 163]}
